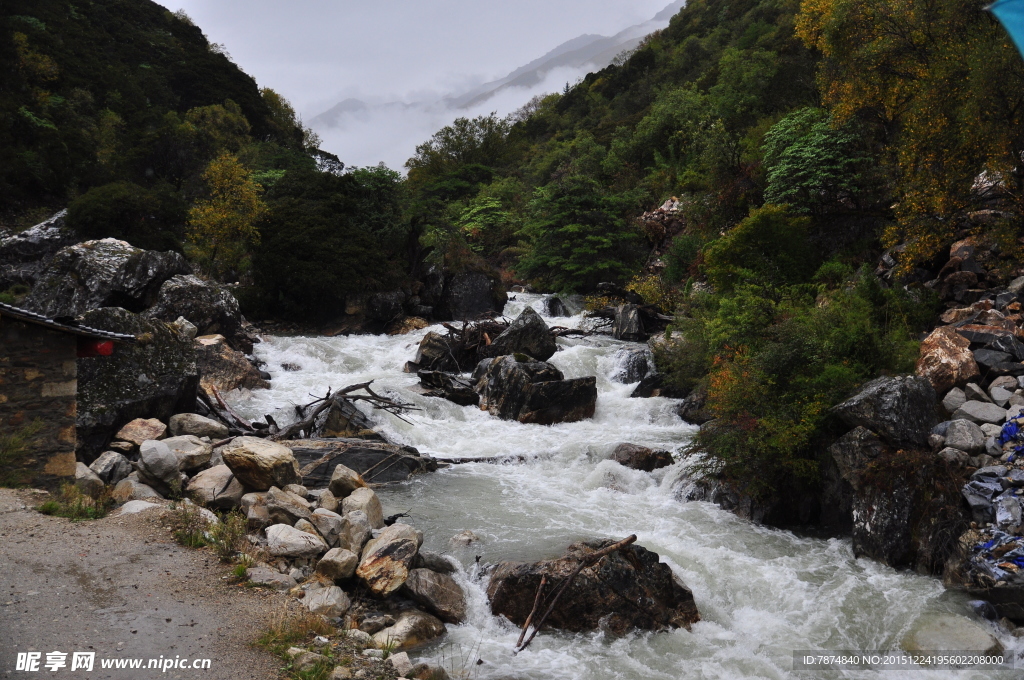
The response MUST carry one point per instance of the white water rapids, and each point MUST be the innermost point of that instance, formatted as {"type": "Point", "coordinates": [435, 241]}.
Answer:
{"type": "Point", "coordinates": [762, 593]}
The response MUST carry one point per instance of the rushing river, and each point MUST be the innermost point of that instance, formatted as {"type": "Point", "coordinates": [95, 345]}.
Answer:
{"type": "Point", "coordinates": [762, 593]}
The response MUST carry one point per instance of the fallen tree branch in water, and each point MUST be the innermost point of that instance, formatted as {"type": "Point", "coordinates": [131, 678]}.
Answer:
{"type": "Point", "coordinates": [585, 562]}
{"type": "Point", "coordinates": [536, 604]}
{"type": "Point", "coordinates": [392, 406]}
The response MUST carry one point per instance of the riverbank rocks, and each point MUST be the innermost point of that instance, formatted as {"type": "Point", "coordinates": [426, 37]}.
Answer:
{"type": "Point", "coordinates": [527, 334]}
{"type": "Point", "coordinates": [938, 633]}
{"type": "Point", "coordinates": [154, 378]}
{"type": "Point", "coordinates": [224, 368]}
{"type": "Point", "coordinates": [946, 360]}
{"type": "Point", "coordinates": [25, 254]}
{"type": "Point", "coordinates": [287, 541]}
{"type": "Point", "coordinates": [197, 426]}
{"type": "Point", "coordinates": [598, 596]}
{"type": "Point", "coordinates": [437, 593]}
{"type": "Point", "coordinates": [103, 273]}
{"type": "Point", "coordinates": [192, 452]}
{"type": "Point", "coordinates": [216, 487]}
{"type": "Point", "coordinates": [387, 559]}
{"type": "Point", "coordinates": [330, 601]}
{"type": "Point", "coordinates": [338, 564]}
{"type": "Point", "coordinates": [364, 500]}
{"type": "Point", "coordinates": [641, 457]}
{"type": "Point", "coordinates": [285, 507]}
{"type": "Point", "coordinates": [87, 481]}
{"type": "Point", "coordinates": [141, 430]}
{"type": "Point", "coordinates": [260, 464]}
{"type": "Point", "coordinates": [344, 480]}
{"type": "Point", "coordinates": [412, 629]}
{"type": "Point", "coordinates": [900, 409]}
{"type": "Point", "coordinates": [515, 388]}
{"type": "Point", "coordinates": [111, 467]}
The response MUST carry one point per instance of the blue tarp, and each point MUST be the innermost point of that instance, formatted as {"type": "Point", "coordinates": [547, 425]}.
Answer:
{"type": "Point", "coordinates": [1011, 14]}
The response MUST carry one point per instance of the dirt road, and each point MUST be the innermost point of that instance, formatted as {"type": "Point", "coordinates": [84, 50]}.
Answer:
{"type": "Point", "coordinates": [121, 588]}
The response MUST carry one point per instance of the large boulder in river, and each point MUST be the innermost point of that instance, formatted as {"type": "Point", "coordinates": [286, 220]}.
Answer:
{"type": "Point", "coordinates": [435, 354]}
{"type": "Point", "coordinates": [629, 324]}
{"type": "Point", "coordinates": [534, 392]}
{"type": "Point", "coordinates": [601, 595]}
{"type": "Point", "coordinates": [901, 409]}
{"type": "Point", "coordinates": [412, 629]}
{"type": "Point", "coordinates": [260, 464]}
{"type": "Point", "coordinates": [946, 360]}
{"type": "Point", "coordinates": [377, 462]}
{"type": "Point", "coordinates": [437, 593]}
{"type": "Point", "coordinates": [154, 378]}
{"type": "Point", "coordinates": [224, 368]}
{"type": "Point", "coordinates": [468, 295]}
{"type": "Point", "coordinates": [25, 254]}
{"type": "Point", "coordinates": [104, 273]}
{"type": "Point", "coordinates": [641, 458]}
{"type": "Point", "coordinates": [527, 334]}
{"type": "Point", "coordinates": [212, 309]}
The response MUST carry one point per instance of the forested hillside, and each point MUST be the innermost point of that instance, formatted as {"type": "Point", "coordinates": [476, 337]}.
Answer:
{"type": "Point", "coordinates": [801, 140]}
{"type": "Point", "coordinates": [127, 115]}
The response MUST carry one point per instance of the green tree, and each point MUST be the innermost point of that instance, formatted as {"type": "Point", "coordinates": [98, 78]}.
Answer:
{"type": "Point", "coordinates": [812, 166]}
{"type": "Point", "coordinates": [153, 219]}
{"type": "Point", "coordinates": [578, 236]}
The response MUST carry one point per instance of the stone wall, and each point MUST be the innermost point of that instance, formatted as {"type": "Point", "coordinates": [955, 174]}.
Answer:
{"type": "Point", "coordinates": [38, 388]}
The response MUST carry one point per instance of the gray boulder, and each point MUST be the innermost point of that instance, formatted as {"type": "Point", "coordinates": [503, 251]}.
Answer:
{"type": "Point", "coordinates": [216, 487]}
{"type": "Point", "coordinates": [330, 601]}
{"type": "Point", "coordinates": [633, 364]}
{"type": "Point", "coordinates": [554, 306]}
{"type": "Point", "coordinates": [191, 451]}
{"type": "Point", "coordinates": [209, 307]}
{"type": "Point", "coordinates": [262, 576]}
{"type": "Point", "coordinates": [641, 457]}
{"type": "Point", "coordinates": [966, 436]}
{"type": "Point", "coordinates": [980, 412]}
{"type": "Point", "coordinates": [285, 507]}
{"type": "Point", "coordinates": [198, 426]}
{"type": "Point", "coordinates": [155, 378]}
{"type": "Point", "coordinates": [287, 541]}
{"type": "Point", "coordinates": [412, 629]}
{"type": "Point", "coordinates": [344, 481]}
{"type": "Point", "coordinates": [527, 334]}
{"type": "Point", "coordinates": [435, 354]}
{"type": "Point", "coordinates": [939, 633]}
{"type": "Point", "coordinates": [338, 564]}
{"type": "Point", "coordinates": [438, 593]}
{"type": "Point", "coordinates": [364, 500]}
{"type": "Point", "coordinates": [535, 392]}
{"type": "Point", "coordinates": [387, 559]}
{"type": "Point", "coordinates": [628, 324]}
{"type": "Point", "coordinates": [103, 273]}
{"type": "Point", "coordinates": [260, 464]}
{"type": "Point", "coordinates": [87, 481]}
{"type": "Point", "coordinates": [131, 489]}
{"type": "Point", "coordinates": [953, 400]}
{"type": "Point", "coordinates": [159, 462]}
{"type": "Point", "coordinates": [111, 467]}
{"type": "Point", "coordinates": [900, 409]}
{"type": "Point", "coordinates": [25, 254]}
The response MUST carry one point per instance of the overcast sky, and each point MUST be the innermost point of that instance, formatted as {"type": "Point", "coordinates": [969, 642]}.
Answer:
{"type": "Point", "coordinates": [319, 52]}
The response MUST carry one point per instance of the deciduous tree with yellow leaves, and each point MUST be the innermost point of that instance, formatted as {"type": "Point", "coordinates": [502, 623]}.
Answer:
{"type": "Point", "coordinates": [945, 87]}
{"type": "Point", "coordinates": [222, 225]}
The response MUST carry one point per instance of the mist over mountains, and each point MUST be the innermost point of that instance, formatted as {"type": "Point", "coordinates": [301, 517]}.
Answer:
{"type": "Point", "coordinates": [366, 131]}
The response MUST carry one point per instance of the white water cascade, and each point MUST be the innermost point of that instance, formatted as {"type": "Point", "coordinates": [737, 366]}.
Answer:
{"type": "Point", "coordinates": [762, 593]}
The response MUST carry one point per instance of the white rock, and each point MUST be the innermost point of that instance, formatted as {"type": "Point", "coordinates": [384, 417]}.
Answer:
{"type": "Point", "coordinates": [338, 564]}
{"type": "Point", "coordinates": [87, 481]}
{"type": "Point", "coordinates": [191, 451]}
{"type": "Point", "coordinates": [111, 467]}
{"type": "Point", "coordinates": [401, 663]}
{"type": "Point", "coordinates": [287, 541]}
{"type": "Point", "coordinates": [200, 426]}
{"type": "Point", "coordinates": [159, 461]}
{"type": "Point", "coordinates": [331, 601]}
{"type": "Point", "coordinates": [135, 507]}
{"type": "Point", "coordinates": [366, 501]}
{"type": "Point", "coordinates": [216, 487]}
{"type": "Point", "coordinates": [948, 633]}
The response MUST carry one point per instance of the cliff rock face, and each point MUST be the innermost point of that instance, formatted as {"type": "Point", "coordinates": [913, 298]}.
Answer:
{"type": "Point", "coordinates": [104, 273]}
{"type": "Point", "coordinates": [601, 596]}
{"type": "Point", "coordinates": [25, 254]}
{"type": "Point", "coordinates": [155, 378]}
{"type": "Point", "coordinates": [212, 309]}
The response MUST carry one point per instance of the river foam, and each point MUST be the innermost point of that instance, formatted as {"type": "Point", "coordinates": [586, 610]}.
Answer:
{"type": "Point", "coordinates": [762, 593]}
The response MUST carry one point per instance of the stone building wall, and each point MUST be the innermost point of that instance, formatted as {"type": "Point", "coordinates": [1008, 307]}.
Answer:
{"type": "Point", "coordinates": [38, 386]}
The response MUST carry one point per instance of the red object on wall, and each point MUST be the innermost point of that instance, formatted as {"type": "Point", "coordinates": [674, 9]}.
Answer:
{"type": "Point", "coordinates": [94, 348]}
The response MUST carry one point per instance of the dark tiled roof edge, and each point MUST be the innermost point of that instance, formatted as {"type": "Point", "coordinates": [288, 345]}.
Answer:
{"type": "Point", "coordinates": [31, 317]}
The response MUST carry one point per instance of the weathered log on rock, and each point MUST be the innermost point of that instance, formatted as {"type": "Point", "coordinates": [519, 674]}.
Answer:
{"type": "Point", "coordinates": [626, 589]}
{"type": "Point", "coordinates": [377, 462]}
{"type": "Point", "coordinates": [344, 419]}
